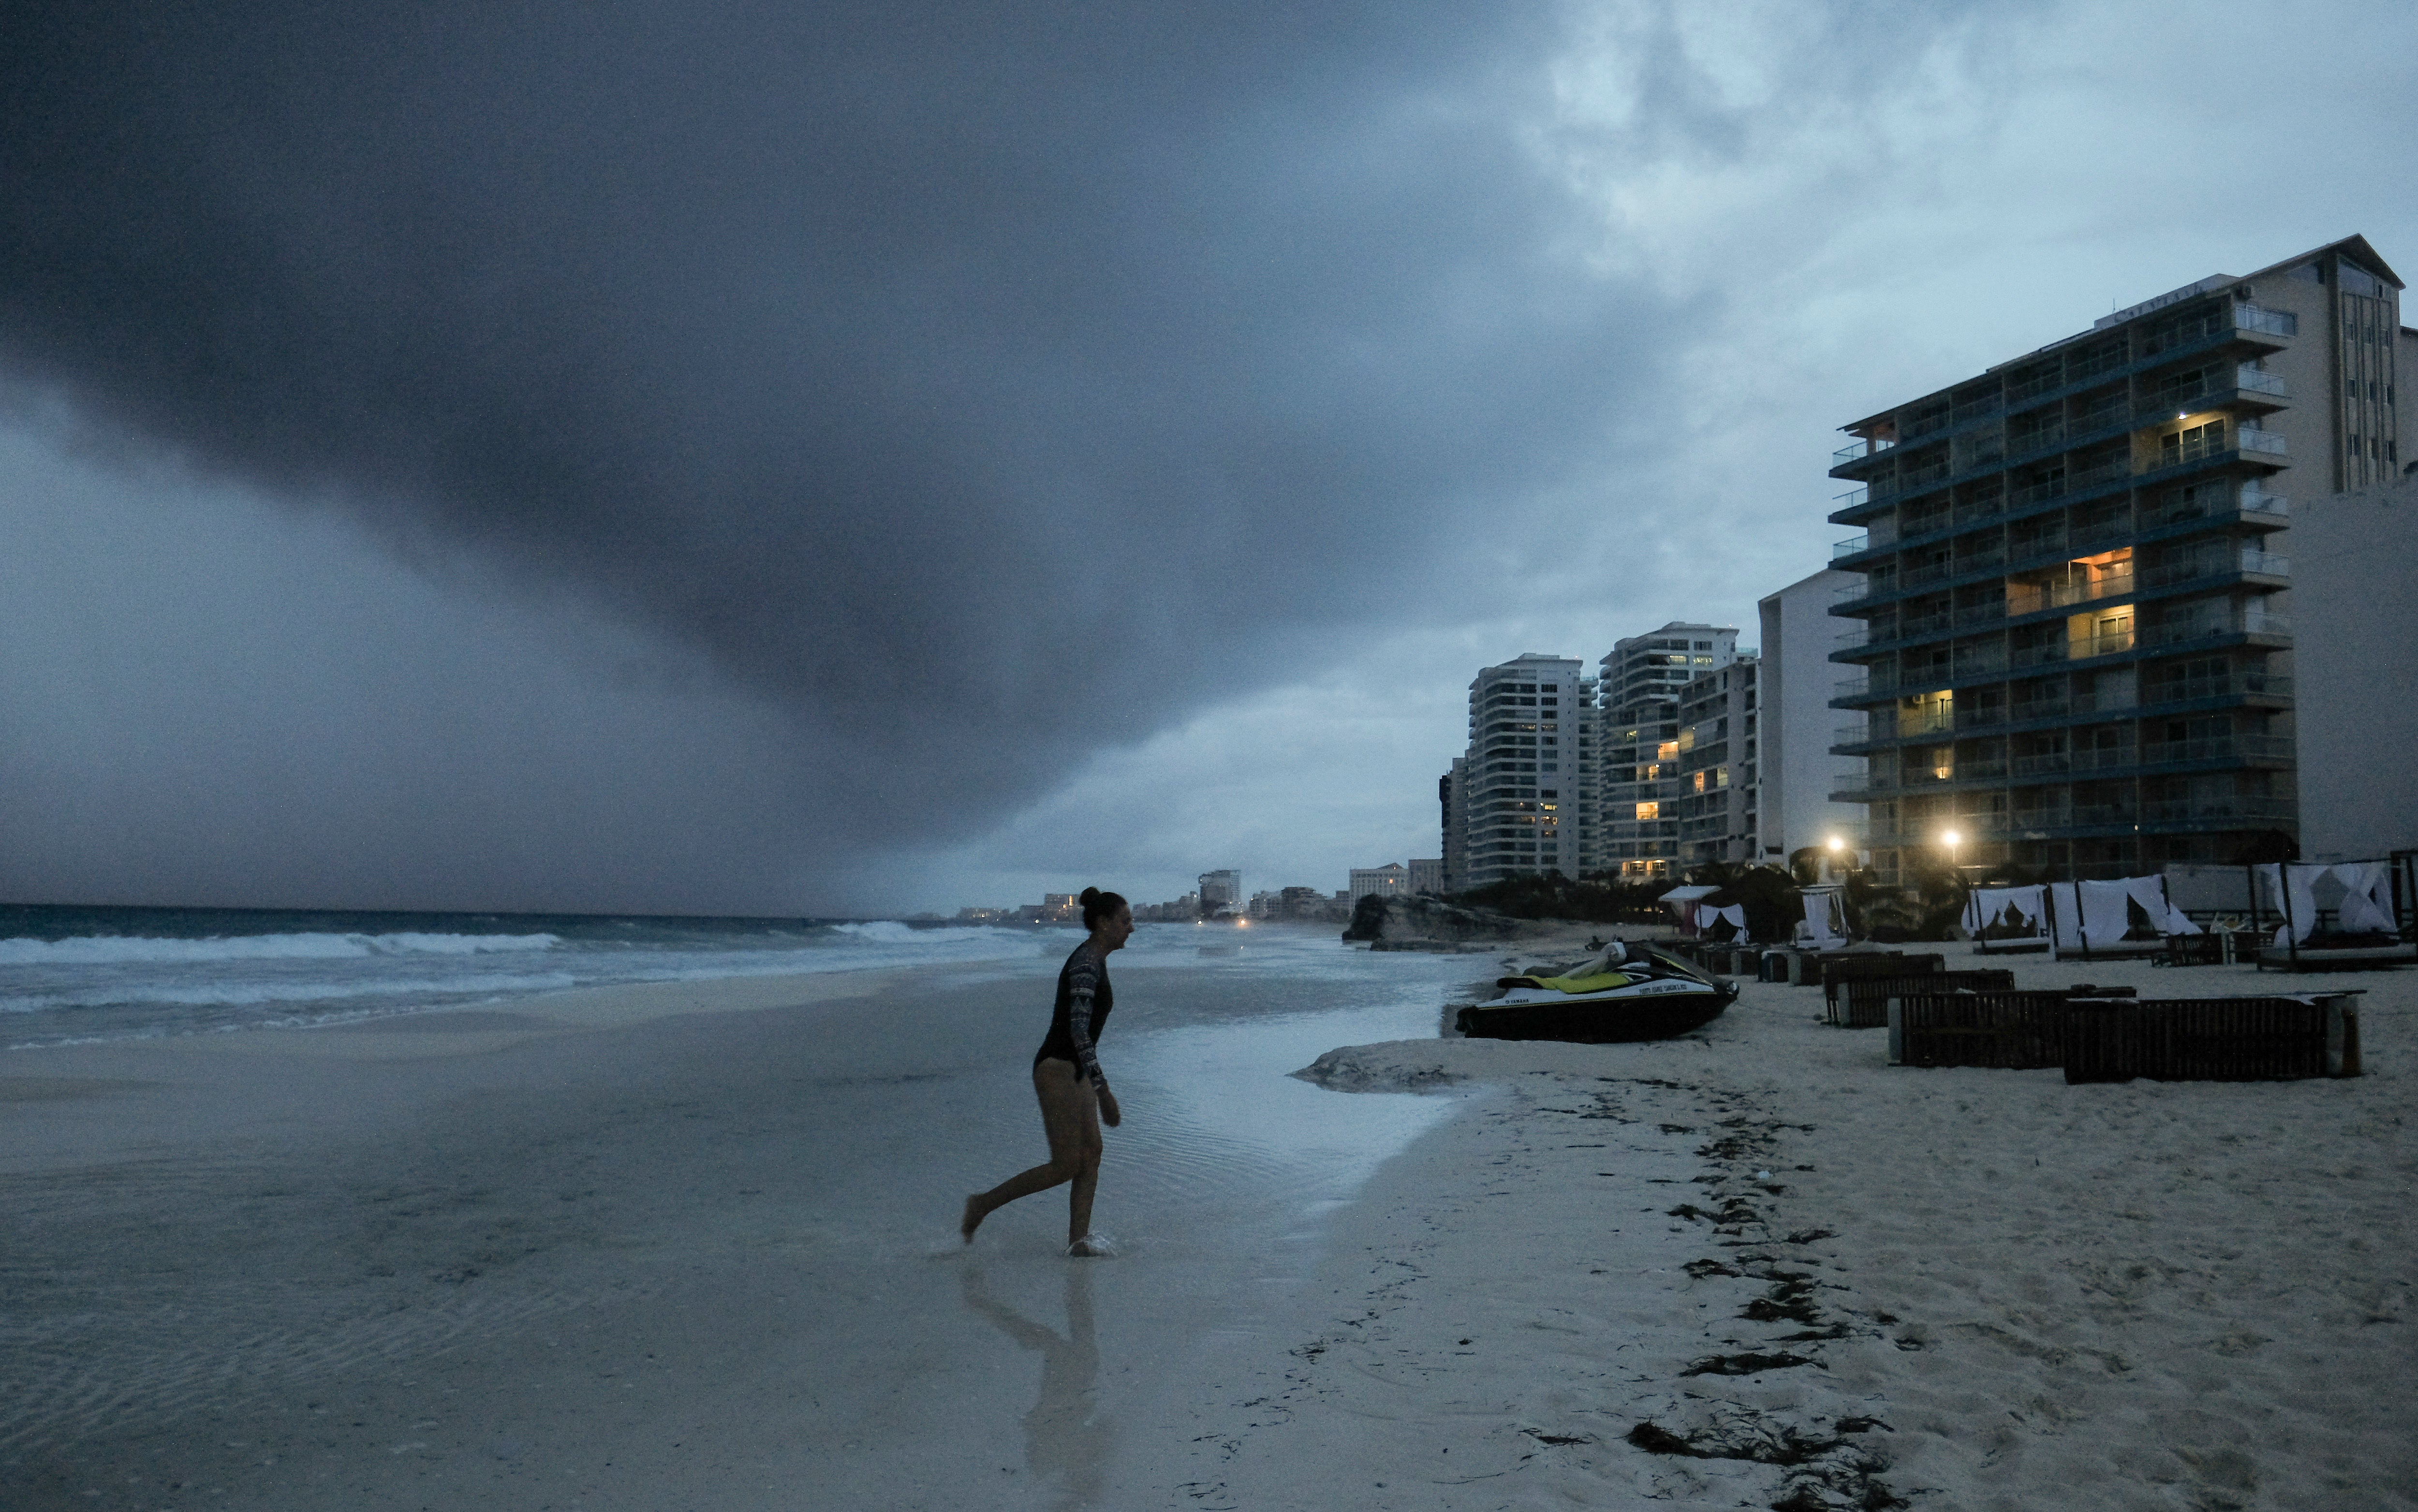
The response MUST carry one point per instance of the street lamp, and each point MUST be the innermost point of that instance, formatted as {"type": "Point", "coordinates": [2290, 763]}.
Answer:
{"type": "Point", "coordinates": [1951, 837]}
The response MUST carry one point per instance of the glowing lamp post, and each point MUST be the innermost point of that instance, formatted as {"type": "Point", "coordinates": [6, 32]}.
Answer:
{"type": "Point", "coordinates": [1951, 837]}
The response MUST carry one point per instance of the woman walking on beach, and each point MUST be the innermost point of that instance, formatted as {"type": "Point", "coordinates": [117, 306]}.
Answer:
{"type": "Point", "coordinates": [1075, 1096]}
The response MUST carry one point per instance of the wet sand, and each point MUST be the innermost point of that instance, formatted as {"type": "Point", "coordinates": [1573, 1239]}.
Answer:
{"type": "Point", "coordinates": [681, 1246]}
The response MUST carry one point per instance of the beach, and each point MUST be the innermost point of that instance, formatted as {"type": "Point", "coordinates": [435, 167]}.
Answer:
{"type": "Point", "coordinates": [690, 1245]}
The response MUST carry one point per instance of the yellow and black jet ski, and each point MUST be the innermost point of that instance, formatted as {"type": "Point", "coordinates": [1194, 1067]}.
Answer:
{"type": "Point", "coordinates": [1622, 992]}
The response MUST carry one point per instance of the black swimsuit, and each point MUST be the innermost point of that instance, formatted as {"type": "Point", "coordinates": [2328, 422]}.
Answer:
{"type": "Point", "coordinates": [1083, 1003]}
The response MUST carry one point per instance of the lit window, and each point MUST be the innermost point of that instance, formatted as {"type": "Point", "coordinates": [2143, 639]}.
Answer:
{"type": "Point", "coordinates": [1649, 810]}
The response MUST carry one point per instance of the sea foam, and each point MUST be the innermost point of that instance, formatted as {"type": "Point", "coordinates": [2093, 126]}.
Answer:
{"type": "Point", "coordinates": [112, 949]}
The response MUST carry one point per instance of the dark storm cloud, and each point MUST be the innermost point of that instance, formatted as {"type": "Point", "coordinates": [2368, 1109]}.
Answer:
{"type": "Point", "coordinates": [986, 383]}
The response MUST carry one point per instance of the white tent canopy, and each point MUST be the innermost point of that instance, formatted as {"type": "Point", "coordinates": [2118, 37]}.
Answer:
{"type": "Point", "coordinates": [2091, 914]}
{"type": "Point", "coordinates": [2292, 890]}
{"type": "Point", "coordinates": [1990, 906]}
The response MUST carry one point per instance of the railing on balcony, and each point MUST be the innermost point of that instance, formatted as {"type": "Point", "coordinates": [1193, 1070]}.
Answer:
{"type": "Point", "coordinates": [2106, 643]}
{"type": "Point", "coordinates": [2115, 700]}
{"type": "Point", "coordinates": [2209, 508]}
{"type": "Point", "coordinates": [2218, 748]}
{"type": "Point", "coordinates": [2219, 811]}
{"type": "Point", "coordinates": [2040, 709]}
{"type": "Point", "coordinates": [1982, 614]}
{"type": "Point", "coordinates": [2260, 623]}
{"type": "Point", "coordinates": [2267, 443]}
{"type": "Point", "coordinates": [2260, 381]}
{"type": "Point", "coordinates": [2250, 559]}
{"type": "Point", "coordinates": [2240, 684]}
{"type": "Point", "coordinates": [1853, 545]}
{"type": "Point", "coordinates": [1980, 660]}
{"type": "Point", "coordinates": [2112, 410]}
{"type": "Point", "coordinates": [2269, 321]}
{"type": "Point", "coordinates": [1859, 450]}
{"type": "Point", "coordinates": [2103, 814]}
{"type": "Point", "coordinates": [2102, 757]}
{"type": "Point", "coordinates": [2046, 764]}
{"type": "Point", "coordinates": [1852, 498]}
{"type": "Point", "coordinates": [2030, 599]}
{"type": "Point", "coordinates": [2039, 383]}
{"type": "Point", "coordinates": [2043, 439]}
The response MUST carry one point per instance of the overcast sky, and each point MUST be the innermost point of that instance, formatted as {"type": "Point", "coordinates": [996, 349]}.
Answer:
{"type": "Point", "coordinates": [850, 459]}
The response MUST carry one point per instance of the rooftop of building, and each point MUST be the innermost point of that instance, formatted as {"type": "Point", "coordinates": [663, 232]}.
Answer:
{"type": "Point", "coordinates": [2356, 247]}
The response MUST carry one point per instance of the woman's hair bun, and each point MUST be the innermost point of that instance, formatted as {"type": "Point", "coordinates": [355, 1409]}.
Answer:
{"type": "Point", "coordinates": [1091, 896]}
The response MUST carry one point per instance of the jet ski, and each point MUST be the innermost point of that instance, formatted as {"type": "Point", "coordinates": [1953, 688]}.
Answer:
{"type": "Point", "coordinates": [1622, 992]}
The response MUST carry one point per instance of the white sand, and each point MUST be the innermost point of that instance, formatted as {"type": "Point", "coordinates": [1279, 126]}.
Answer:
{"type": "Point", "coordinates": [2140, 1295]}
{"type": "Point", "coordinates": [565, 1255]}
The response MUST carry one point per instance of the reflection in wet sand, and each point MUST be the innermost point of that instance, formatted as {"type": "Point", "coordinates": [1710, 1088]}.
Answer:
{"type": "Point", "coordinates": [1066, 1441]}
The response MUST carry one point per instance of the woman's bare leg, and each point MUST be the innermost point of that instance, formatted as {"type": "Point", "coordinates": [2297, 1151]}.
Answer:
{"type": "Point", "coordinates": [1070, 1116]}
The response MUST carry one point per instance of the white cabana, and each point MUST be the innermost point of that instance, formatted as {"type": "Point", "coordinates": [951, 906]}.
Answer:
{"type": "Point", "coordinates": [2096, 915]}
{"type": "Point", "coordinates": [2291, 889]}
{"type": "Point", "coordinates": [2020, 908]}
{"type": "Point", "coordinates": [1689, 908]}
{"type": "Point", "coordinates": [1825, 919]}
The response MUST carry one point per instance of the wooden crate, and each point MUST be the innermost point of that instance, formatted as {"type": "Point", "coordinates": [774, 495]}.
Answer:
{"type": "Point", "coordinates": [1863, 1001]}
{"type": "Point", "coordinates": [2214, 1039]}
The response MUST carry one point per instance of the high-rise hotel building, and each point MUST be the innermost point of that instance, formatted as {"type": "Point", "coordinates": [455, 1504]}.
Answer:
{"type": "Point", "coordinates": [1522, 795]}
{"type": "Point", "coordinates": [1638, 802]}
{"type": "Point", "coordinates": [2075, 648]}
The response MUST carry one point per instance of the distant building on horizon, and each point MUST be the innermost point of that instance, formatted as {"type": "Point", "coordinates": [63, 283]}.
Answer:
{"type": "Point", "coordinates": [1526, 799]}
{"type": "Point", "coordinates": [1452, 796]}
{"type": "Point", "coordinates": [1426, 876]}
{"type": "Point", "coordinates": [1391, 880]}
{"type": "Point", "coordinates": [1221, 889]}
{"type": "Point", "coordinates": [2074, 615]}
{"type": "Point", "coordinates": [1638, 702]}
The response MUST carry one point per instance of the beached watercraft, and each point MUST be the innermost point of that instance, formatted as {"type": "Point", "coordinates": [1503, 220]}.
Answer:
{"type": "Point", "coordinates": [1622, 992]}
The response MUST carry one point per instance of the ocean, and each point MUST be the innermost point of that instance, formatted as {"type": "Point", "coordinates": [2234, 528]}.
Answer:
{"type": "Point", "coordinates": [80, 975]}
